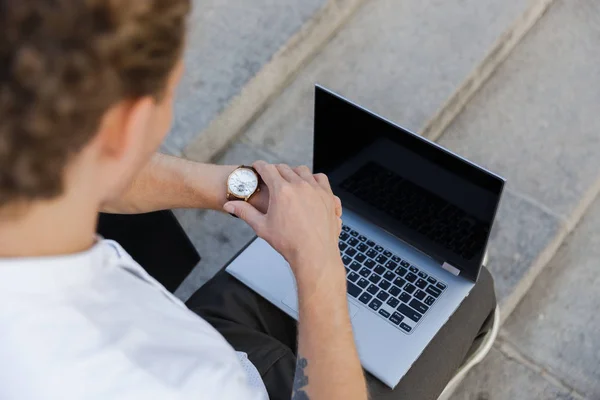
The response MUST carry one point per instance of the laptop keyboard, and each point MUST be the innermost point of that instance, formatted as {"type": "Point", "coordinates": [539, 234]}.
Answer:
{"type": "Point", "coordinates": [386, 284]}
{"type": "Point", "coordinates": [418, 209]}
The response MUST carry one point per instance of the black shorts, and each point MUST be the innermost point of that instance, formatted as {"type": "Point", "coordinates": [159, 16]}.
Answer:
{"type": "Point", "coordinates": [253, 325]}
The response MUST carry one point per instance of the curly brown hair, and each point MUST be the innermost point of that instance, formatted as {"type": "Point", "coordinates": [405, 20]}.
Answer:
{"type": "Point", "coordinates": [63, 64]}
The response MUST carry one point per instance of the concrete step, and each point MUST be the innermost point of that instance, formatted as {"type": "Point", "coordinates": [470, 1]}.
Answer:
{"type": "Point", "coordinates": [238, 55]}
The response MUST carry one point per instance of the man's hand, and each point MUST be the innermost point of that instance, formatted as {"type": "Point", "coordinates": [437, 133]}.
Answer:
{"type": "Point", "coordinates": [302, 220]}
{"type": "Point", "coordinates": [303, 223]}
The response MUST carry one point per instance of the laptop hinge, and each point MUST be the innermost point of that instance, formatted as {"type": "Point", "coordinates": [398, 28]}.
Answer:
{"type": "Point", "coordinates": [453, 270]}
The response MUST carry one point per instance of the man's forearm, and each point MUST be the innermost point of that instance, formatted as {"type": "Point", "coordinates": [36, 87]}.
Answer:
{"type": "Point", "coordinates": [328, 366]}
{"type": "Point", "coordinates": [169, 182]}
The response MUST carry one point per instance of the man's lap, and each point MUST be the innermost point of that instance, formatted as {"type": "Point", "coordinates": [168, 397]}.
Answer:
{"type": "Point", "coordinates": [256, 327]}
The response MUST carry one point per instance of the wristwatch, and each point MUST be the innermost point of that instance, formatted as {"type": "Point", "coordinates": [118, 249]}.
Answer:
{"type": "Point", "coordinates": [242, 183]}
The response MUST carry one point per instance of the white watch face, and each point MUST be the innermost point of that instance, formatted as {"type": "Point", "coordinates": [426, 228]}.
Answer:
{"type": "Point", "coordinates": [242, 182]}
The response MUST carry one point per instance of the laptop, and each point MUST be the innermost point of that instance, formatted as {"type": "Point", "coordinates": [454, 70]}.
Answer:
{"type": "Point", "coordinates": [416, 224]}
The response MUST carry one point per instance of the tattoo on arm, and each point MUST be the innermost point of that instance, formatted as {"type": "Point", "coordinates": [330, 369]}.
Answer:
{"type": "Point", "coordinates": [300, 380]}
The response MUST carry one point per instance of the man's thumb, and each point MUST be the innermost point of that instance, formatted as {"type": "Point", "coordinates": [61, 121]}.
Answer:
{"type": "Point", "coordinates": [244, 211]}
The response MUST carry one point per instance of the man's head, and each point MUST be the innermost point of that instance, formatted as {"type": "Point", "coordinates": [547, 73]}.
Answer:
{"type": "Point", "coordinates": [86, 92]}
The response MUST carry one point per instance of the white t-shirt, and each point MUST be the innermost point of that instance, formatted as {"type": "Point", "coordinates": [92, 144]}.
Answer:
{"type": "Point", "coordinates": [95, 325]}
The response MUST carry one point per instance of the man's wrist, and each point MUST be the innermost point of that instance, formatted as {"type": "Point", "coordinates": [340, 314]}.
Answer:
{"type": "Point", "coordinates": [317, 277]}
{"type": "Point", "coordinates": [209, 183]}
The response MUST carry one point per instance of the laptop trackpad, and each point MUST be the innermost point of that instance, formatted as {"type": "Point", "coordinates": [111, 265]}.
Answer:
{"type": "Point", "coordinates": [292, 302]}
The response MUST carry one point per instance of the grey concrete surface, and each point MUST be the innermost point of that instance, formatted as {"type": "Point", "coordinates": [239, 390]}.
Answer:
{"type": "Point", "coordinates": [521, 232]}
{"type": "Point", "coordinates": [500, 377]}
{"type": "Point", "coordinates": [401, 59]}
{"type": "Point", "coordinates": [536, 121]}
{"type": "Point", "coordinates": [557, 325]}
{"type": "Point", "coordinates": [228, 43]}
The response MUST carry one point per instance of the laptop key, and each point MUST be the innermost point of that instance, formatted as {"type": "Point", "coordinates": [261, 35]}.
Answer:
{"type": "Point", "coordinates": [417, 305]}
{"type": "Point", "coordinates": [370, 263]}
{"type": "Point", "coordinates": [360, 257]}
{"type": "Point", "coordinates": [383, 296]}
{"type": "Point", "coordinates": [385, 285]}
{"type": "Point", "coordinates": [372, 253]}
{"type": "Point", "coordinates": [375, 304]}
{"type": "Point", "coordinates": [387, 253]}
{"type": "Point", "coordinates": [362, 247]}
{"type": "Point", "coordinates": [353, 242]}
{"type": "Point", "coordinates": [381, 259]}
{"type": "Point", "coordinates": [405, 297]}
{"type": "Point", "coordinates": [405, 327]}
{"type": "Point", "coordinates": [394, 290]}
{"type": "Point", "coordinates": [410, 277]}
{"type": "Point", "coordinates": [344, 236]}
{"type": "Point", "coordinates": [342, 246]}
{"type": "Point", "coordinates": [391, 265]}
{"type": "Point", "coordinates": [405, 263]}
{"type": "Point", "coordinates": [422, 274]}
{"type": "Point", "coordinates": [435, 292]}
{"type": "Point", "coordinates": [345, 228]}
{"type": "Point", "coordinates": [432, 280]}
{"type": "Point", "coordinates": [384, 313]}
{"type": "Point", "coordinates": [346, 260]}
{"type": "Point", "coordinates": [408, 312]}
{"type": "Point", "coordinates": [365, 298]}
{"type": "Point", "coordinates": [396, 259]}
{"type": "Point", "coordinates": [379, 248]}
{"type": "Point", "coordinates": [389, 275]}
{"type": "Point", "coordinates": [396, 318]}
{"type": "Point", "coordinates": [374, 278]}
{"type": "Point", "coordinates": [441, 285]}
{"type": "Point", "coordinates": [353, 233]}
{"type": "Point", "coordinates": [393, 302]}
{"type": "Point", "coordinates": [399, 282]}
{"type": "Point", "coordinates": [354, 266]}
{"type": "Point", "coordinates": [351, 251]}
{"type": "Point", "coordinates": [353, 290]}
{"type": "Point", "coordinates": [370, 243]}
{"type": "Point", "coordinates": [421, 283]}
{"type": "Point", "coordinates": [409, 288]}
{"type": "Point", "coordinates": [364, 272]}
{"type": "Point", "coordinates": [372, 289]}
{"type": "Point", "coordinates": [414, 269]}
{"type": "Point", "coordinates": [353, 276]}
{"type": "Point", "coordinates": [362, 238]}
{"type": "Point", "coordinates": [420, 295]}
{"type": "Point", "coordinates": [363, 283]}
{"type": "Point", "coordinates": [401, 271]}
{"type": "Point", "coordinates": [429, 300]}
{"type": "Point", "coordinates": [380, 270]}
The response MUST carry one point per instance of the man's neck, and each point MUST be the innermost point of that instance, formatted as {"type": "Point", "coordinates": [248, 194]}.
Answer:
{"type": "Point", "coordinates": [48, 228]}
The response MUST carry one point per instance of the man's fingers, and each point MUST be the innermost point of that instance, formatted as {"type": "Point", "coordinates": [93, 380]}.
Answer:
{"type": "Point", "coordinates": [287, 173]}
{"type": "Point", "coordinates": [269, 173]}
{"type": "Point", "coordinates": [338, 206]}
{"type": "Point", "coordinates": [323, 182]}
{"type": "Point", "coordinates": [247, 212]}
{"type": "Point", "coordinates": [304, 172]}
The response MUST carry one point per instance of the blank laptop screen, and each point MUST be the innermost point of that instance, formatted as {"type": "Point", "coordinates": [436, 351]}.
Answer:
{"type": "Point", "coordinates": [414, 189]}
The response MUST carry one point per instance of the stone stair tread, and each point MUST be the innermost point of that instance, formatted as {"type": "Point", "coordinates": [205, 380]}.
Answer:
{"type": "Point", "coordinates": [535, 122]}
{"type": "Point", "coordinates": [228, 42]}
{"type": "Point", "coordinates": [506, 379]}
{"type": "Point", "coordinates": [402, 60]}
